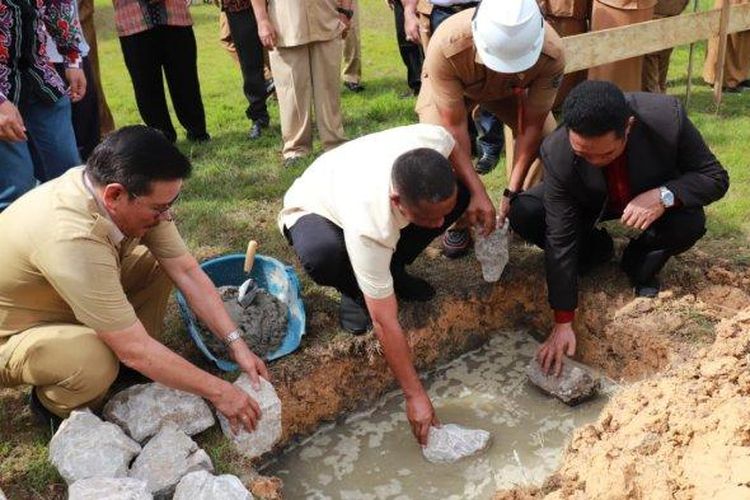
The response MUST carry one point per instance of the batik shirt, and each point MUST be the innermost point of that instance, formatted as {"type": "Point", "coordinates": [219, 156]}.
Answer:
{"type": "Point", "coordinates": [136, 16]}
{"type": "Point", "coordinates": [23, 56]}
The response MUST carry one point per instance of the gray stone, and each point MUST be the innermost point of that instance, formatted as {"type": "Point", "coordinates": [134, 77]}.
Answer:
{"type": "Point", "coordinates": [84, 447]}
{"type": "Point", "coordinates": [268, 429]}
{"type": "Point", "coordinates": [142, 409]}
{"type": "Point", "coordinates": [203, 486]}
{"type": "Point", "coordinates": [166, 458]}
{"type": "Point", "coordinates": [100, 488]}
{"type": "Point", "coordinates": [450, 443]}
{"type": "Point", "coordinates": [575, 384]}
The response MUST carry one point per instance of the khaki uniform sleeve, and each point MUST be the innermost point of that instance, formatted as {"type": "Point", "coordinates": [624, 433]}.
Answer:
{"type": "Point", "coordinates": [164, 241]}
{"type": "Point", "coordinates": [371, 264]}
{"type": "Point", "coordinates": [543, 89]}
{"type": "Point", "coordinates": [86, 274]}
{"type": "Point", "coordinates": [447, 89]}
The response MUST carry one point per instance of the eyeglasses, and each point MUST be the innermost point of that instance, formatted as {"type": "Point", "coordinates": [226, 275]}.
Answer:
{"type": "Point", "coordinates": [163, 212]}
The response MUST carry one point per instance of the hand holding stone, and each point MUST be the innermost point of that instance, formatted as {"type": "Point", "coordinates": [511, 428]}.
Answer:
{"type": "Point", "coordinates": [238, 407]}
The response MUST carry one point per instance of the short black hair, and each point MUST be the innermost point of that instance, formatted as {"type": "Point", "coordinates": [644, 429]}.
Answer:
{"type": "Point", "coordinates": [423, 175]}
{"type": "Point", "coordinates": [134, 156]}
{"type": "Point", "coordinates": [594, 108]}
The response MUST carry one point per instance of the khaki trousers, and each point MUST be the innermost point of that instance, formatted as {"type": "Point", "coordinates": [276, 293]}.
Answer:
{"type": "Point", "coordinates": [352, 59]}
{"type": "Point", "coordinates": [655, 69]}
{"type": "Point", "coordinates": [68, 364]}
{"type": "Point", "coordinates": [86, 17]}
{"type": "Point", "coordinates": [567, 26]}
{"type": "Point", "coordinates": [307, 76]}
{"type": "Point", "coordinates": [737, 62]}
{"type": "Point", "coordinates": [626, 74]}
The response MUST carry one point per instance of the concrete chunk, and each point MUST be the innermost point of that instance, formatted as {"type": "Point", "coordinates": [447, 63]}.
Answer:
{"type": "Point", "coordinates": [99, 488]}
{"type": "Point", "coordinates": [575, 384]}
{"type": "Point", "coordinates": [167, 458]}
{"type": "Point", "coordinates": [268, 430]}
{"type": "Point", "coordinates": [203, 486]}
{"type": "Point", "coordinates": [142, 409]}
{"type": "Point", "coordinates": [84, 447]}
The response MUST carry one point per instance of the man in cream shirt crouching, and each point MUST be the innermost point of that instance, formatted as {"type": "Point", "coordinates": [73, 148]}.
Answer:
{"type": "Point", "coordinates": [358, 216]}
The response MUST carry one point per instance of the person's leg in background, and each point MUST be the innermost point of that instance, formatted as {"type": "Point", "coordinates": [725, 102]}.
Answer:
{"type": "Point", "coordinates": [325, 65]}
{"type": "Point", "coordinates": [86, 17]}
{"type": "Point", "coordinates": [736, 63]}
{"type": "Point", "coordinates": [490, 140]}
{"type": "Point", "coordinates": [411, 53]}
{"type": "Point", "coordinates": [17, 172]}
{"type": "Point", "coordinates": [52, 140]}
{"type": "Point", "coordinates": [180, 63]}
{"type": "Point", "coordinates": [244, 30]}
{"type": "Point", "coordinates": [291, 71]}
{"type": "Point", "coordinates": [143, 58]}
{"type": "Point", "coordinates": [225, 37]}
{"type": "Point", "coordinates": [352, 55]}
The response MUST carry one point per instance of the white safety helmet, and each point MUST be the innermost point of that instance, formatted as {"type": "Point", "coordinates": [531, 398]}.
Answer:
{"type": "Point", "coordinates": [508, 34]}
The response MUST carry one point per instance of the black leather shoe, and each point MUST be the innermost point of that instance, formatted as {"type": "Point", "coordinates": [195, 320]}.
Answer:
{"type": "Point", "coordinates": [642, 267]}
{"type": "Point", "coordinates": [487, 162]}
{"type": "Point", "coordinates": [649, 289]}
{"type": "Point", "coordinates": [43, 416]}
{"type": "Point", "coordinates": [354, 87]}
{"type": "Point", "coordinates": [353, 315]}
{"type": "Point", "coordinates": [256, 130]}
{"type": "Point", "coordinates": [202, 137]}
{"type": "Point", "coordinates": [411, 288]}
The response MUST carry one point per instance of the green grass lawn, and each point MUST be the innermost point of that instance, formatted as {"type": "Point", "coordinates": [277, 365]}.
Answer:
{"type": "Point", "coordinates": [235, 192]}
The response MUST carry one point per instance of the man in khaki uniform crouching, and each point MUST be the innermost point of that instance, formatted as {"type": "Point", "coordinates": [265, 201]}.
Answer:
{"type": "Point", "coordinates": [88, 262]}
{"type": "Point", "coordinates": [503, 56]}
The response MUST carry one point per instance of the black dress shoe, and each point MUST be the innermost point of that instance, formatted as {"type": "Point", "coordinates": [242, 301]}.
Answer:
{"type": "Point", "coordinates": [487, 162]}
{"type": "Point", "coordinates": [411, 288]}
{"type": "Point", "coordinates": [353, 315]}
{"type": "Point", "coordinates": [354, 86]}
{"type": "Point", "coordinates": [43, 416]}
{"type": "Point", "coordinates": [256, 130]}
{"type": "Point", "coordinates": [202, 137]}
{"type": "Point", "coordinates": [648, 289]}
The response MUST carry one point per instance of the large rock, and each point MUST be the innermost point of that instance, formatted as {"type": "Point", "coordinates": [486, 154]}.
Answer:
{"type": "Point", "coordinates": [203, 486]}
{"type": "Point", "coordinates": [166, 458]}
{"type": "Point", "coordinates": [450, 443]}
{"type": "Point", "coordinates": [142, 409]}
{"type": "Point", "coordinates": [84, 447]}
{"type": "Point", "coordinates": [268, 430]}
{"type": "Point", "coordinates": [99, 488]}
{"type": "Point", "coordinates": [575, 384]}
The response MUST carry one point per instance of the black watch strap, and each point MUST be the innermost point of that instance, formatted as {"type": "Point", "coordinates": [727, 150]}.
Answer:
{"type": "Point", "coordinates": [507, 193]}
{"type": "Point", "coordinates": [349, 13]}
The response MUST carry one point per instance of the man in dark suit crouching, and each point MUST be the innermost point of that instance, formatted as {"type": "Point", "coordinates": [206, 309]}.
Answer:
{"type": "Point", "coordinates": [637, 158]}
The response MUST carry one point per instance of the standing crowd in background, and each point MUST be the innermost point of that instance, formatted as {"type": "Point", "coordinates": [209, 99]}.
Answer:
{"type": "Point", "coordinates": [53, 109]}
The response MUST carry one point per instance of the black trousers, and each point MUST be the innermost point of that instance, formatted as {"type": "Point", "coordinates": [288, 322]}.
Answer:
{"type": "Point", "coordinates": [674, 232]}
{"type": "Point", "coordinates": [244, 31]}
{"type": "Point", "coordinates": [171, 50]}
{"type": "Point", "coordinates": [319, 244]}
{"type": "Point", "coordinates": [411, 52]}
{"type": "Point", "coordinates": [85, 113]}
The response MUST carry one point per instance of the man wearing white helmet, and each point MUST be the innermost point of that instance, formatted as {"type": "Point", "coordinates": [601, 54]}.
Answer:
{"type": "Point", "coordinates": [503, 56]}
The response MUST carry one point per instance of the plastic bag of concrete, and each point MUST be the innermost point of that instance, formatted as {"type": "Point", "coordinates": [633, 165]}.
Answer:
{"type": "Point", "coordinates": [450, 443]}
{"type": "Point", "coordinates": [204, 486]}
{"type": "Point", "coordinates": [268, 429]}
{"type": "Point", "coordinates": [492, 251]}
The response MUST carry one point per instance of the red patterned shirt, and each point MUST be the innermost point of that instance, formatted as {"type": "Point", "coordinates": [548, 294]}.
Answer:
{"type": "Point", "coordinates": [137, 16]}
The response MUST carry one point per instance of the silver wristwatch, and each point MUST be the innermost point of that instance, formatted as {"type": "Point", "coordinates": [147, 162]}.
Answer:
{"type": "Point", "coordinates": [666, 196]}
{"type": "Point", "coordinates": [232, 337]}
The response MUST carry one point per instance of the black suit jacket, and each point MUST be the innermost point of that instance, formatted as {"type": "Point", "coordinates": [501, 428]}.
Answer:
{"type": "Point", "coordinates": [664, 149]}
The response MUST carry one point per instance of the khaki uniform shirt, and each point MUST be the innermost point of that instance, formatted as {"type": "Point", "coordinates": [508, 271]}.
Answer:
{"type": "Point", "coordinates": [61, 257]}
{"type": "Point", "coordinates": [299, 22]}
{"type": "Point", "coordinates": [629, 4]}
{"type": "Point", "coordinates": [453, 73]}
{"type": "Point", "coordinates": [355, 195]}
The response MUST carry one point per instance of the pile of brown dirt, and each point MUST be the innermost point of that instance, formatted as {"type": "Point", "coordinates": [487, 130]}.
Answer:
{"type": "Point", "coordinates": [683, 434]}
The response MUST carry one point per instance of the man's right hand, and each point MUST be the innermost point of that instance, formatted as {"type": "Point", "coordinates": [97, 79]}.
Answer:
{"type": "Point", "coordinates": [481, 211]}
{"type": "Point", "coordinates": [561, 342]}
{"type": "Point", "coordinates": [421, 416]}
{"type": "Point", "coordinates": [267, 34]}
{"type": "Point", "coordinates": [238, 407]}
{"type": "Point", "coordinates": [11, 123]}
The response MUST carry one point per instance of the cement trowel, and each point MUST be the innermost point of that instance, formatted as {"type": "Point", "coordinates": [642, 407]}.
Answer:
{"type": "Point", "coordinates": [249, 289]}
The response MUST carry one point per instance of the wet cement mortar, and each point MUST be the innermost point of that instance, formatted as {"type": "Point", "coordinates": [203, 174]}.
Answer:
{"type": "Point", "coordinates": [262, 324]}
{"type": "Point", "coordinates": [335, 374]}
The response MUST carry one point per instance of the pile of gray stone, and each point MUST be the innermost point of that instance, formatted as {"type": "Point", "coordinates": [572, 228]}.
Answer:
{"type": "Point", "coordinates": [143, 449]}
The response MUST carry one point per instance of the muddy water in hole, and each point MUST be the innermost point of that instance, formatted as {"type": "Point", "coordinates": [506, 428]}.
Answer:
{"type": "Point", "coordinates": [371, 455]}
